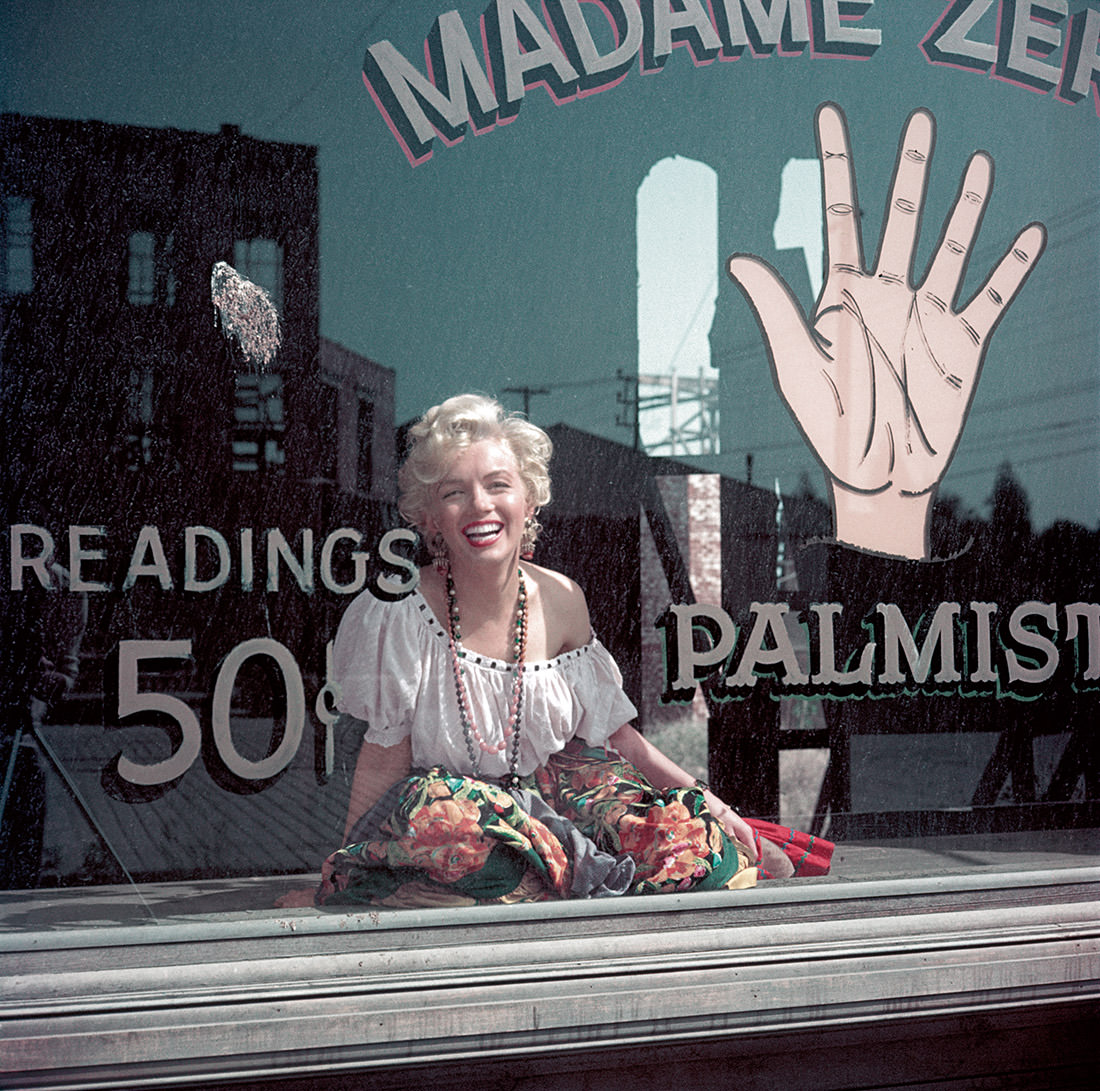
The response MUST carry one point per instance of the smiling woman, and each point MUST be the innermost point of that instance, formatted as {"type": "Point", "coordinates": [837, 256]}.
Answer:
{"type": "Point", "coordinates": [217, 520]}
{"type": "Point", "coordinates": [499, 763]}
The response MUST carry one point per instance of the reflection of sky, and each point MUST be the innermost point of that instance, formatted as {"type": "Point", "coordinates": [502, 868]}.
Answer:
{"type": "Point", "coordinates": [677, 278]}
{"type": "Point", "coordinates": [510, 258]}
{"type": "Point", "coordinates": [798, 225]}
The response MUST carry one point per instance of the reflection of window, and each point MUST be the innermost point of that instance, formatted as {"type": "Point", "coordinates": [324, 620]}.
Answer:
{"type": "Point", "coordinates": [141, 284]}
{"type": "Point", "coordinates": [258, 423]}
{"type": "Point", "coordinates": [677, 248]}
{"type": "Point", "coordinates": [364, 439]}
{"type": "Point", "coordinates": [150, 278]}
{"type": "Point", "coordinates": [261, 261]}
{"type": "Point", "coordinates": [18, 237]}
{"type": "Point", "coordinates": [138, 442]}
{"type": "Point", "coordinates": [328, 430]}
{"type": "Point", "coordinates": [169, 275]}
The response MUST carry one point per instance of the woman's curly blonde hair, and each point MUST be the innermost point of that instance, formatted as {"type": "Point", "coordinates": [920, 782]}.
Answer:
{"type": "Point", "coordinates": [456, 424]}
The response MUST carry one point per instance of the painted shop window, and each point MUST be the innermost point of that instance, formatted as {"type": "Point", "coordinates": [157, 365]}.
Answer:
{"type": "Point", "coordinates": [644, 259]}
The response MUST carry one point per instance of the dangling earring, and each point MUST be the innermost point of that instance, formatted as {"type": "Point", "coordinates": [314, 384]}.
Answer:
{"type": "Point", "coordinates": [437, 547]}
{"type": "Point", "coordinates": [531, 530]}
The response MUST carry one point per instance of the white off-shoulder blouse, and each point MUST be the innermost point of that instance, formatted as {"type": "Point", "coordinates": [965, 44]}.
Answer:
{"type": "Point", "coordinates": [392, 669]}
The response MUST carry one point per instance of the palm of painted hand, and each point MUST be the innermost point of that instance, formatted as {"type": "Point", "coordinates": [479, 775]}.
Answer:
{"type": "Point", "coordinates": [881, 378]}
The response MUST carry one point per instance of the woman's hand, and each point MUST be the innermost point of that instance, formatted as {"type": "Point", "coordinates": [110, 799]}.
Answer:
{"type": "Point", "coordinates": [734, 825]}
{"type": "Point", "coordinates": [377, 769]}
{"type": "Point", "coordinates": [659, 769]}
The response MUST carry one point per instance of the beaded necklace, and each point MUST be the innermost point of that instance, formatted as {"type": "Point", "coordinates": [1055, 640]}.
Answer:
{"type": "Point", "coordinates": [470, 732]}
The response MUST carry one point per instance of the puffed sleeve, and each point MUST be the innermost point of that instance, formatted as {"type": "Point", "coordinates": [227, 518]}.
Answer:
{"type": "Point", "coordinates": [600, 706]}
{"type": "Point", "coordinates": [377, 667]}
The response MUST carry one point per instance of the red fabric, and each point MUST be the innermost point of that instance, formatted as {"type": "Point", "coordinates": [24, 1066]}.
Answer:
{"type": "Point", "coordinates": [809, 854]}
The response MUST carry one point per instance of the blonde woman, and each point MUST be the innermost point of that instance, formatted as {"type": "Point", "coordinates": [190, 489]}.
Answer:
{"type": "Point", "coordinates": [499, 762]}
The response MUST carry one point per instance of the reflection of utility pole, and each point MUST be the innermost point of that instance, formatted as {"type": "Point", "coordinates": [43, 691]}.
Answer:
{"type": "Point", "coordinates": [628, 398]}
{"type": "Point", "coordinates": [527, 392]}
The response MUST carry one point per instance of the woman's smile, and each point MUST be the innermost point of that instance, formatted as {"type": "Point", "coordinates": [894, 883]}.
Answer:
{"type": "Point", "coordinates": [481, 504]}
{"type": "Point", "coordinates": [483, 533]}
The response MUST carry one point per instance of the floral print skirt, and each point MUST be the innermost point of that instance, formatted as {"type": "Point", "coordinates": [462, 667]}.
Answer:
{"type": "Point", "coordinates": [587, 824]}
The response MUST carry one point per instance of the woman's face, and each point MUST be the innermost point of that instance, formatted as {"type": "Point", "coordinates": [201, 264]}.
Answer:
{"type": "Point", "coordinates": [480, 505]}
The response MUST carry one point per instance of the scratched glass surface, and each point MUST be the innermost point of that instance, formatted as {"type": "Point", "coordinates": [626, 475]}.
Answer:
{"type": "Point", "coordinates": [806, 300]}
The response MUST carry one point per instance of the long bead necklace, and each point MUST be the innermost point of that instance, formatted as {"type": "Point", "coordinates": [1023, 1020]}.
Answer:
{"type": "Point", "coordinates": [470, 732]}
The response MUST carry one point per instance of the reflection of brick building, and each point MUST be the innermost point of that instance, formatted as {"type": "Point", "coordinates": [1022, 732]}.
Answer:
{"type": "Point", "coordinates": [125, 411]}
{"type": "Point", "coordinates": [694, 506]}
{"type": "Point", "coordinates": [121, 402]}
{"type": "Point", "coordinates": [109, 325]}
{"type": "Point", "coordinates": [360, 393]}
{"type": "Point", "coordinates": [639, 532]}
{"type": "Point", "coordinates": [113, 358]}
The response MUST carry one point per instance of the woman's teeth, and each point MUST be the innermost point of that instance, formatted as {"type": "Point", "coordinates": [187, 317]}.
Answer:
{"type": "Point", "coordinates": [484, 532]}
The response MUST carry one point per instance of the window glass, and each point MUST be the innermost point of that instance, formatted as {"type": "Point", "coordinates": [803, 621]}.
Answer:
{"type": "Point", "coordinates": [833, 506]}
{"type": "Point", "coordinates": [138, 442]}
{"type": "Point", "coordinates": [258, 423]}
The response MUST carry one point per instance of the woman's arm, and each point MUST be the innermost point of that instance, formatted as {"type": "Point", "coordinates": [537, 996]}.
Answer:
{"type": "Point", "coordinates": [663, 772]}
{"type": "Point", "coordinates": [376, 769]}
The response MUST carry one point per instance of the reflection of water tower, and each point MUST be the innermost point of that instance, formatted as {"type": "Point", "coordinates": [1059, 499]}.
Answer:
{"type": "Point", "coordinates": [675, 400]}
{"type": "Point", "coordinates": [680, 412]}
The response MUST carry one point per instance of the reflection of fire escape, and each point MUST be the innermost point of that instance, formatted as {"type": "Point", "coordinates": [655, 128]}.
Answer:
{"type": "Point", "coordinates": [681, 409]}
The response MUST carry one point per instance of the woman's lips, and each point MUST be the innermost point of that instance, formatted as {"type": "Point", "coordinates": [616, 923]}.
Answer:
{"type": "Point", "coordinates": [482, 534]}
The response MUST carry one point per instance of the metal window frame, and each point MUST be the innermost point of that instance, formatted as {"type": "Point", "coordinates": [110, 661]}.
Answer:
{"type": "Point", "coordinates": [557, 988]}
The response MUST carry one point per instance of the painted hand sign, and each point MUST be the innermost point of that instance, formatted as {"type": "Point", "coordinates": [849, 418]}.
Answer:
{"type": "Point", "coordinates": [881, 375]}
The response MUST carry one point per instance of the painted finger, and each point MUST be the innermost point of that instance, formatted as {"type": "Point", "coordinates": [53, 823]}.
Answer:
{"type": "Point", "coordinates": [782, 322]}
{"type": "Point", "coordinates": [941, 286]}
{"type": "Point", "coordinates": [899, 234]}
{"type": "Point", "coordinates": [844, 249]}
{"type": "Point", "coordinates": [987, 308]}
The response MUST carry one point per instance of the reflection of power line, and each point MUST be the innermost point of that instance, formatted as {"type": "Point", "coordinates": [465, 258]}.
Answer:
{"type": "Point", "coordinates": [1049, 456]}
{"type": "Point", "coordinates": [672, 395]}
{"type": "Point", "coordinates": [1012, 433]}
{"type": "Point", "coordinates": [574, 383]}
{"type": "Point", "coordinates": [1020, 400]}
{"type": "Point", "coordinates": [1042, 433]}
{"type": "Point", "coordinates": [1008, 441]}
{"type": "Point", "coordinates": [709, 294]}
{"type": "Point", "coordinates": [336, 60]}
{"type": "Point", "coordinates": [528, 392]}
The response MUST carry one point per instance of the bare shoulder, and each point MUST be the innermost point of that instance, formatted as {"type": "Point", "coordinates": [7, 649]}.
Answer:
{"type": "Point", "coordinates": [564, 608]}
{"type": "Point", "coordinates": [558, 591]}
